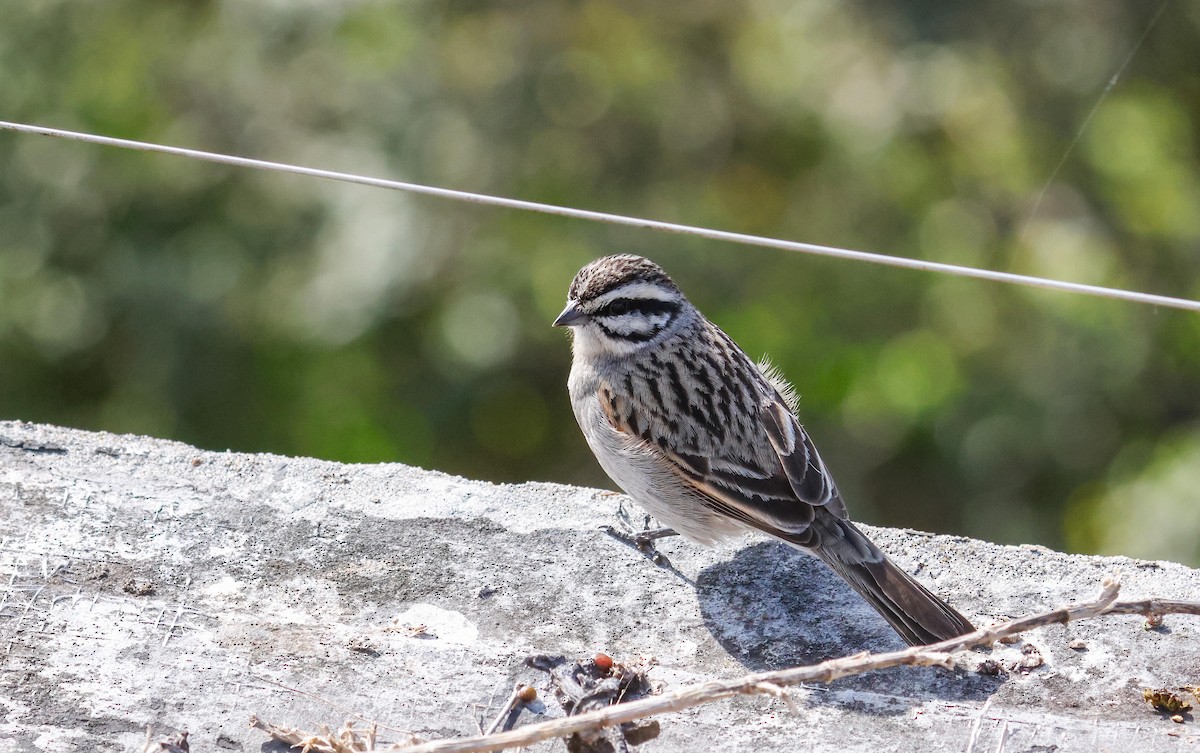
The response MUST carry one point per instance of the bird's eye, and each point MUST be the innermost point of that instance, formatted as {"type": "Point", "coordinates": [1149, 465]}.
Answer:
{"type": "Point", "coordinates": [618, 307]}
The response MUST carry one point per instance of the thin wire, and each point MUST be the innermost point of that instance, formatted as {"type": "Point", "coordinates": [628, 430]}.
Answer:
{"type": "Point", "coordinates": [1112, 82]}
{"type": "Point", "coordinates": [617, 219]}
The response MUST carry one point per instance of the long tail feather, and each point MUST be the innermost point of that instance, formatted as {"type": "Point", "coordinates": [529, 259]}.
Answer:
{"type": "Point", "coordinates": [912, 610]}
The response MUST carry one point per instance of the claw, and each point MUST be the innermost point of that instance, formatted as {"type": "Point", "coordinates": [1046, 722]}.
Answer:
{"type": "Point", "coordinates": [642, 540]}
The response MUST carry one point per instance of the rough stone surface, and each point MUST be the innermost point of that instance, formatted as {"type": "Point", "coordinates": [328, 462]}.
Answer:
{"type": "Point", "coordinates": [144, 582]}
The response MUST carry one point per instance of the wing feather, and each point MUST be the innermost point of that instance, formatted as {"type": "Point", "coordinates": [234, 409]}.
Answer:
{"type": "Point", "coordinates": [781, 499]}
{"type": "Point", "coordinates": [806, 472]}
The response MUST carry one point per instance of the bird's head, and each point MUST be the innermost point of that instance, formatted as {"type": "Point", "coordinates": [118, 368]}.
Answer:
{"type": "Point", "coordinates": [619, 304]}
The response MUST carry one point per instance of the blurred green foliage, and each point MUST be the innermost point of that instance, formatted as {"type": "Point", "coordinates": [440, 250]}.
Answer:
{"type": "Point", "coordinates": [238, 309]}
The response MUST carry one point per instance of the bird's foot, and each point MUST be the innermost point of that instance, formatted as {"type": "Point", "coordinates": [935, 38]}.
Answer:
{"type": "Point", "coordinates": [643, 539]}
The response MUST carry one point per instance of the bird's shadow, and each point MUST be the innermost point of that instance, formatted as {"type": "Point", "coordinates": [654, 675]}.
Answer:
{"type": "Point", "coordinates": [772, 607]}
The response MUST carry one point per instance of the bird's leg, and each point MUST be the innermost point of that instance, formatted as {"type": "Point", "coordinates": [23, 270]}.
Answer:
{"type": "Point", "coordinates": [642, 540]}
{"type": "Point", "coordinates": [646, 538]}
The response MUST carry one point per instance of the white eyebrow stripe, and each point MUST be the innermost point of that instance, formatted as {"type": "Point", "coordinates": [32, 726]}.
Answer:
{"type": "Point", "coordinates": [639, 290]}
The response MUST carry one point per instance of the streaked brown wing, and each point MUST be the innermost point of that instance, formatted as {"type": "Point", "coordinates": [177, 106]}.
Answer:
{"type": "Point", "coordinates": [780, 500]}
{"type": "Point", "coordinates": [806, 472]}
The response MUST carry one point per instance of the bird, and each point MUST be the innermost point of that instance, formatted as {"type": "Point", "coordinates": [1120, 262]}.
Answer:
{"type": "Point", "coordinates": [708, 441]}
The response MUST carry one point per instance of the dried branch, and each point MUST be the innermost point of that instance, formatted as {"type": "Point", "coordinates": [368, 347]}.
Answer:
{"type": "Point", "coordinates": [775, 682]}
{"type": "Point", "coordinates": [506, 718]}
{"type": "Point", "coordinates": [1154, 608]}
{"type": "Point", "coordinates": [348, 739]}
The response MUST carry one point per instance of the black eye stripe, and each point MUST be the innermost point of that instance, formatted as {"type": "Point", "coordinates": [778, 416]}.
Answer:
{"type": "Point", "coordinates": [643, 306]}
{"type": "Point", "coordinates": [648, 309]}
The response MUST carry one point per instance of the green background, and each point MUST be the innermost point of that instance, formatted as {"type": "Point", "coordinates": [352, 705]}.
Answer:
{"type": "Point", "coordinates": [259, 312]}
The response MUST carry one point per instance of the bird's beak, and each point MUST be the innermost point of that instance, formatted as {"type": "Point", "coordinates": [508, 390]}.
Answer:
{"type": "Point", "coordinates": [571, 316]}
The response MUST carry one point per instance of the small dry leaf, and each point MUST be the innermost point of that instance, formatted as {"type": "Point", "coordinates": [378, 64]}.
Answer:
{"type": "Point", "coordinates": [138, 587]}
{"type": "Point", "coordinates": [177, 744]}
{"type": "Point", "coordinates": [990, 667]}
{"type": "Point", "coordinates": [409, 630]}
{"type": "Point", "coordinates": [1032, 661]}
{"type": "Point", "coordinates": [1165, 699]}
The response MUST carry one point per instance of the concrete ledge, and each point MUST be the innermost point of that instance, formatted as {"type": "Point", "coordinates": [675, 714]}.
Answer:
{"type": "Point", "coordinates": [144, 582]}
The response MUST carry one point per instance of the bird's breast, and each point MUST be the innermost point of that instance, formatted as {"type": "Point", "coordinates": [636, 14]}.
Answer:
{"type": "Point", "coordinates": [642, 473]}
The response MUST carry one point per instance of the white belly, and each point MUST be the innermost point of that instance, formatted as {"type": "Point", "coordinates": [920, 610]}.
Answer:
{"type": "Point", "coordinates": [645, 476]}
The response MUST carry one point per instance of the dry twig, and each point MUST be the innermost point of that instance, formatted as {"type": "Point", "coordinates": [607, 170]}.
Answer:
{"type": "Point", "coordinates": [938, 654]}
{"type": "Point", "coordinates": [346, 740]}
{"type": "Point", "coordinates": [505, 719]}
